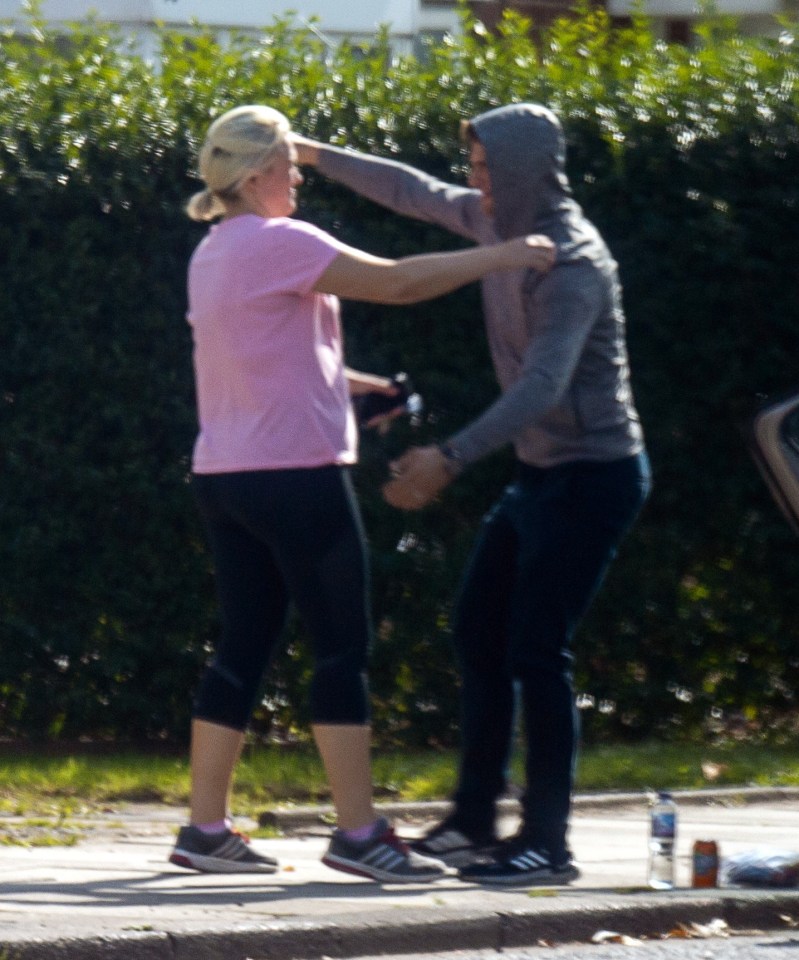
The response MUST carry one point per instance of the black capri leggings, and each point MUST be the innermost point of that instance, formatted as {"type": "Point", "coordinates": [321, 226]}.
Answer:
{"type": "Point", "coordinates": [279, 536]}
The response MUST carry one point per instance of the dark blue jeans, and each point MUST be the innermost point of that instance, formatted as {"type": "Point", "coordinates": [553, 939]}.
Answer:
{"type": "Point", "coordinates": [539, 560]}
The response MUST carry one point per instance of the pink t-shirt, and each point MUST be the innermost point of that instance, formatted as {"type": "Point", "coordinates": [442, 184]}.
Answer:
{"type": "Point", "coordinates": [268, 351]}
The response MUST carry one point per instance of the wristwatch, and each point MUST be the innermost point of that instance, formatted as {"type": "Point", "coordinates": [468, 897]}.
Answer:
{"type": "Point", "coordinates": [453, 461]}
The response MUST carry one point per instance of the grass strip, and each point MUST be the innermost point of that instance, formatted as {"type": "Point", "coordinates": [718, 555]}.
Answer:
{"type": "Point", "coordinates": [34, 783]}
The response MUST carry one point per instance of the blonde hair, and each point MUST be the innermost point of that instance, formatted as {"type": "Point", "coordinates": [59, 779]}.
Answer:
{"type": "Point", "coordinates": [239, 142]}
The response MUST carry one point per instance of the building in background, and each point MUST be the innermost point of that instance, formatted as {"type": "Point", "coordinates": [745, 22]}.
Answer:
{"type": "Point", "coordinates": [409, 21]}
{"type": "Point", "coordinates": [673, 20]}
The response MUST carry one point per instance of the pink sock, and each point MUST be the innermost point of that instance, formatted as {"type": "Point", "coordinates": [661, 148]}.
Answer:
{"type": "Point", "coordinates": [218, 826]}
{"type": "Point", "coordinates": [360, 833]}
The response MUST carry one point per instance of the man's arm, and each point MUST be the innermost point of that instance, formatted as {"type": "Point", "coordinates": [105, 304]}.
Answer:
{"type": "Point", "coordinates": [568, 308]}
{"type": "Point", "coordinates": [399, 187]}
{"type": "Point", "coordinates": [567, 300]}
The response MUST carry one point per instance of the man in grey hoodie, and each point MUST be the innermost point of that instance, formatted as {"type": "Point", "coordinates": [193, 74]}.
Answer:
{"type": "Point", "coordinates": [558, 346]}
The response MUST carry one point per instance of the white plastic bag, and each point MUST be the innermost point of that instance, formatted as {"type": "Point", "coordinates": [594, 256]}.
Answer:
{"type": "Point", "coordinates": [761, 867]}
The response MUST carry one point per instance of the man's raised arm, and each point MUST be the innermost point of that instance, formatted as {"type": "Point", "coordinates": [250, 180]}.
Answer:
{"type": "Point", "coordinates": [398, 187]}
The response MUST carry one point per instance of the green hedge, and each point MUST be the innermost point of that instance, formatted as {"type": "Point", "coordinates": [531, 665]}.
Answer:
{"type": "Point", "coordinates": [688, 160]}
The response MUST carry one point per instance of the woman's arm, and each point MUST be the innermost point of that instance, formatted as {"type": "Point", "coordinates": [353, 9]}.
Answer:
{"type": "Point", "coordinates": [356, 275]}
{"type": "Point", "coordinates": [360, 382]}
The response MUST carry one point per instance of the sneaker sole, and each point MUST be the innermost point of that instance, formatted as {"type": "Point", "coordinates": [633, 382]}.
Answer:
{"type": "Point", "coordinates": [458, 859]}
{"type": "Point", "coordinates": [196, 861]}
{"type": "Point", "coordinates": [533, 879]}
{"type": "Point", "coordinates": [359, 869]}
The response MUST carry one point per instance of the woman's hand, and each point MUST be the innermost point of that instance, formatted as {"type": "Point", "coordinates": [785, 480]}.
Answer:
{"type": "Point", "coordinates": [361, 384]}
{"type": "Point", "coordinates": [536, 251]}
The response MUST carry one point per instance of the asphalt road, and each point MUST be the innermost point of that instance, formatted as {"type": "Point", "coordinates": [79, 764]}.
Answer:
{"type": "Point", "coordinates": [773, 946]}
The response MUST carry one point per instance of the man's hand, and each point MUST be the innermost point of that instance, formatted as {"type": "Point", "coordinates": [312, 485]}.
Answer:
{"type": "Point", "coordinates": [307, 150]}
{"type": "Point", "coordinates": [418, 477]}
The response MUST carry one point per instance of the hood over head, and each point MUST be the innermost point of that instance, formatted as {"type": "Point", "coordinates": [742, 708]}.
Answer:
{"type": "Point", "coordinates": [526, 155]}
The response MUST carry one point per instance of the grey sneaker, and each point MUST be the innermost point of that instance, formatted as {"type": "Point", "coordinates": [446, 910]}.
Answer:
{"type": "Point", "coordinates": [450, 844]}
{"type": "Point", "coordinates": [383, 857]}
{"type": "Point", "coordinates": [227, 852]}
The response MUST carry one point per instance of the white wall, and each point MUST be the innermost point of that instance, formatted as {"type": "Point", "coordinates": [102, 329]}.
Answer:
{"type": "Point", "coordinates": [337, 17]}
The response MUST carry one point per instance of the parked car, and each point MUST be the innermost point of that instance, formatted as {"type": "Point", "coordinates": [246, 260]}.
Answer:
{"type": "Point", "coordinates": [773, 435]}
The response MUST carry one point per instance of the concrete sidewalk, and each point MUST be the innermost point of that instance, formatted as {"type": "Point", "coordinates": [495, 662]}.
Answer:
{"type": "Point", "coordinates": [113, 895]}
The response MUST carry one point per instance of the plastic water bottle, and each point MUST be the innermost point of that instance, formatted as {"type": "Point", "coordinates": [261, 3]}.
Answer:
{"type": "Point", "coordinates": [662, 836]}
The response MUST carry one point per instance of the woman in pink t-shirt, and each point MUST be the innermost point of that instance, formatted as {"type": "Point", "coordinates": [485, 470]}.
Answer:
{"type": "Point", "coordinates": [271, 476]}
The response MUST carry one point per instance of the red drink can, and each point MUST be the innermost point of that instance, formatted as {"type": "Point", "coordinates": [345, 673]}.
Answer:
{"type": "Point", "coordinates": [705, 863]}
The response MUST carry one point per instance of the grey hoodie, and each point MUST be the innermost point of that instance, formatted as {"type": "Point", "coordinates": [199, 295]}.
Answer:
{"type": "Point", "coordinates": [556, 339]}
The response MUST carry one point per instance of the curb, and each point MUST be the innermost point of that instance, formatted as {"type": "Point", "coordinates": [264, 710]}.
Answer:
{"type": "Point", "coordinates": [566, 921]}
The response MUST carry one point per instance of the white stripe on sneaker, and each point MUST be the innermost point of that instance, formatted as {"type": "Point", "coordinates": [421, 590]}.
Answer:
{"type": "Point", "coordinates": [530, 860]}
{"type": "Point", "coordinates": [232, 849]}
{"type": "Point", "coordinates": [384, 857]}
